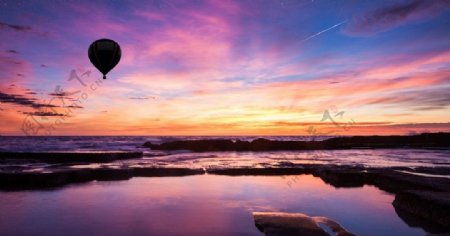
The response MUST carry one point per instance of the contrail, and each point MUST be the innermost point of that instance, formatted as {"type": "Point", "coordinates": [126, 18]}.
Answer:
{"type": "Point", "coordinates": [323, 31]}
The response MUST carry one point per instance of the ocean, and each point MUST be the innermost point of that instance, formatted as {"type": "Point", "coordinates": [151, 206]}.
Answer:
{"type": "Point", "coordinates": [364, 157]}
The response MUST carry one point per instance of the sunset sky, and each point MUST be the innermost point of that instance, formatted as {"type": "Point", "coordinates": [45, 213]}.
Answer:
{"type": "Point", "coordinates": [226, 67]}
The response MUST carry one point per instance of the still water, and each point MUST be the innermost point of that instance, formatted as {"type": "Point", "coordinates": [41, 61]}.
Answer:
{"type": "Point", "coordinates": [193, 205]}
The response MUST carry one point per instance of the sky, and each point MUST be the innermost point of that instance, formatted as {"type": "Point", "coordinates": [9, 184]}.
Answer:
{"type": "Point", "coordinates": [250, 67]}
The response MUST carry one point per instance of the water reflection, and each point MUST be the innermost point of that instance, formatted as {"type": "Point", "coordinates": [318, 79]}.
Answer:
{"type": "Point", "coordinates": [195, 205]}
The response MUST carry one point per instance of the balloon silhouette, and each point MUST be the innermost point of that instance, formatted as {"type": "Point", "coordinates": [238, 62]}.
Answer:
{"type": "Point", "coordinates": [104, 55]}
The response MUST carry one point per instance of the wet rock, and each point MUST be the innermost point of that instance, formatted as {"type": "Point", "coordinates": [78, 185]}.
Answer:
{"type": "Point", "coordinates": [280, 223]}
{"type": "Point", "coordinates": [284, 164]}
{"type": "Point", "coordinates": [334, 226]}
{"type": "Point", "coordinates": [432, 207]}
{"type": "Point", "coordinates": [387, 179]}
{"type": "Point", "coordinates": [66, 175]}
{"type": "Point", "coordinates": [109, 174]}
{"type": "Point", "coordinates": [259, 171]}
{"type": "Point", "coordinates": [342, 178]}
{"type": "Point", "coordinates": [160, 172]}
{"type": "Point", "coordinates": [427, 140]}
{"type": "Point", "coordinates": [20, 181]}
{"type": "Point", "coordinates": [394, 181]}
{"type": "Point", "coordinates": [71, 157]}
{"type": "Point", "coordinates": [275, 223]}
{"type": "Point", "coordinates": [416, 221]}
{"type": "Point", "coordinates": [148, 144]}
{"type": "Point", "coordinates": [194, 145]}
{"type": "Point", "coordinates": [241, 145]}
{"type": "Point", "coordinates": [431, 170]}
{"type": "Point", "coordinates": [80, 176]}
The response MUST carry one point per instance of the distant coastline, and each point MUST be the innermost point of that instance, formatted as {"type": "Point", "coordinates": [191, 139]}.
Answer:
{"type": "Point", "coordinates": [426, 140]}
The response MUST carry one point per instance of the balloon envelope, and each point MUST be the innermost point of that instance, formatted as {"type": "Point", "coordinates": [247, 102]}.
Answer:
{"type": "Point", "coordinates": [104, 55]}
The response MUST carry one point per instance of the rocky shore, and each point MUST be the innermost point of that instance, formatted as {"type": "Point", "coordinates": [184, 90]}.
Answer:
{"type": "Point", "coordinates": [420, 200]}
{"type": "Point", "coordinates": [428, 140]}
{"type": "Point", "coordinates": [287, 224]}
{"type": "Point", "coordinates": [70, 157]}
{"type": "Point", "coordinates": [62, 176]}
{"type": "Point", "coordinates": [422, 194]}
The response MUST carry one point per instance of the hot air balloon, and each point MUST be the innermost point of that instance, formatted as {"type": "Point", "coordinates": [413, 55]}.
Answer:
{"type": "Point", "coordinates": [104, 55]}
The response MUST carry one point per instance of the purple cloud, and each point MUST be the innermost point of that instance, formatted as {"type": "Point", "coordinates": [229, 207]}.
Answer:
{"type": "Point", "coordinates": [20, 28]}
{"type": "Point", "coordinates": [383, 19]}
{"type": "Point", "coordinates": [12, 51]}
{"type": "Point", "coordinates": [23, 29]}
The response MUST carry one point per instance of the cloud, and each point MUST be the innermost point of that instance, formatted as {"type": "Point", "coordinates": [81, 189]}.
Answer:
{"type": "Point", "coordinates": [389, 17]}
{"type": "Point", "coordinates": [10, 68]}
{"type": "Point", "coordinates": [18, 28]}
{"type": "Point", "coordinates": [42, 113]}
{"type": "Point", "coordinates": [60, 94]}
{"type": "Point", "coordinates": [22, 29]}
{"type": "Point", "coordinates": [74, 106]}
{"type": "Point", "coordinates": [23, 101]}
{"type": "Point", "coordinates": [12, 51]}
{"type": "Point", "coordinates": [417, 99]}
{"type": "Point", "coordinates": [142, 98]}
{"type": "Point", "coordinates": [306, 124]}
